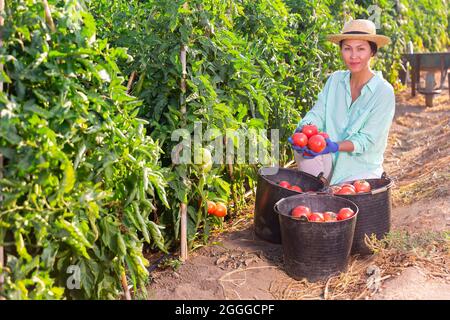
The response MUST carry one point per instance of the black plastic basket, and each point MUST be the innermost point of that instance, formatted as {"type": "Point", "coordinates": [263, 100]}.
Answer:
{"type": "Point", "coordinates": [315, 250]}
{"type": "Point", "coordinates": [374, 213]}
{"type": "Point", "coordinates": [268, 192]}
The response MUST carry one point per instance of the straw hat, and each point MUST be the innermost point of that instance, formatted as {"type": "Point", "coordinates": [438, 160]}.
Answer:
{"type": "Point", "coordinates": [360, 29]}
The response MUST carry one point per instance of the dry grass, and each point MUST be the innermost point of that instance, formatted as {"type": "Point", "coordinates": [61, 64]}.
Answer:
{"type": "Point", "coordinates": [399, 250]}
{"type": "Point", "coordinates": [418, 153]}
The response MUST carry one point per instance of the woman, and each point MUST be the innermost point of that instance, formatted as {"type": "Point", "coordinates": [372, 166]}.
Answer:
{"type": "Point", "coordinates": [355, 108]}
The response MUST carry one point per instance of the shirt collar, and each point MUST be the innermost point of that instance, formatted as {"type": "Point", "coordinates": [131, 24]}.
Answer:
{"type": "Point", "coordinates": [372, 84]}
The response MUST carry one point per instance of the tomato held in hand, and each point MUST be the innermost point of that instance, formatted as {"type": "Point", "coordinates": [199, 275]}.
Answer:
{"type": "Point", "coordinates": [317, 143]}
{"type": "Point", "coordinates": [323, 134]}
{"type": "Point", "coordinates": [299, 139]}
{"type": "Point", "coordinates": [345, 213]}
{"type": "Point", "coordinates": [361, 186]}
{"type": "Point", "coordinates": [284, 184]}
{"type": "Point", "coordinates": [301, 211]}
{"type": "Point", "coordinates": [309, 130]}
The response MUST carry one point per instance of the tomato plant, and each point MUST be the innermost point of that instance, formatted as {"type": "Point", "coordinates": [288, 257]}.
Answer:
{"type": "Point", "coordinates": [81, 177]}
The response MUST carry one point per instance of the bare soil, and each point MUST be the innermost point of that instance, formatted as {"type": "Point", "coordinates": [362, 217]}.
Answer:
{"type": "Point", "coordinates": [238, 265]}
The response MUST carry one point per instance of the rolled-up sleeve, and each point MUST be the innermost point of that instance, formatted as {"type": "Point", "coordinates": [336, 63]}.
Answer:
{"type": "Point", "coordinates": [377, 126]}
{"type": "Point", "coordinates": [316, 115]}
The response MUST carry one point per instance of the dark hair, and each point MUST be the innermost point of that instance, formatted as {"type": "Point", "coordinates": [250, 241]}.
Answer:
{"type": "Point", "coordinates": [373, 46]}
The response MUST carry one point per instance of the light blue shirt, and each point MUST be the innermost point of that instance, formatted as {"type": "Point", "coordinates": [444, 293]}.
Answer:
{"type": "Point", "coordinates": [365, 122]}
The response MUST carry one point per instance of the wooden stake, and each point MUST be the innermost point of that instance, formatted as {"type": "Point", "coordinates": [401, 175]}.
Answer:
{"type": "Point", "coordinates": [125, 286]}
{"type": "Point", "coordinates": [183, 206]}
{"type": "Point", "coordinates": [130, 81]}
{"type": "Point", "coordinates": [184, 246]}
{"type": "Point", "coordinates": [48, 16]}
{"type": "Point", "coordinates": [2, 258]}
{"type": "Point", "coordinates": [2, 9]}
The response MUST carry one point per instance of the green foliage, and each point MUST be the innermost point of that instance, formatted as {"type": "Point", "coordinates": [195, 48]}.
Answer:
{"type": "Point", "coordinates": [81, 176]}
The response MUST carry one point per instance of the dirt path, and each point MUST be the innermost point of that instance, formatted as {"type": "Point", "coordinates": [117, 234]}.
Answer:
{"type": "Point", "coordinates": [239, 266]}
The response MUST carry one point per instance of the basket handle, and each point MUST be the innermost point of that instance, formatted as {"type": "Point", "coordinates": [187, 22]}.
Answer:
{"type": "Point", "coordinates": [382, 189]}
{"type": "Point", "coordinates": [324, 180]}
{"type": "Point", "coordinates": [325, 190]}
{"type": "Point", "coordinates": [379, 190]}
{"type": "Point", "coordinates": [275, 206]}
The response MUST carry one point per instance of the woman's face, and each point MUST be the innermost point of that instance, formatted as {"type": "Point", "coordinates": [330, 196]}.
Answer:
{"type": "Point", "coordinates": [356, 54]}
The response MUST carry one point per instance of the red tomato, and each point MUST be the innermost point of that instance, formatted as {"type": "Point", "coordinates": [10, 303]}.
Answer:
{"type": "Point", "coordinates": [348, 185]}
{"type": "Point", "coordinates": [309, 130]}
{"type": "Point", "coordinates": [317, 143]}
{"type": "Point", "coordinates": [316, 217]}
{"type": "Point", "coordinates": [346, 190]}
{"type": "Point", "coordinates": [345, 213]}
{"type": "Point", "coordinates": [323, 134]}
{"type": "Point", "coordinates": [296, 188]}
{"type": "Point", "coordinates": [284, 184]}
{"type": "Point", "coordinates": [329, 216]}
{"type": "Point", "coordinates": [319, 214]}
{"type": "Point", "coordinates": [211, 207]}
{"type": "Point", "coordinates": [300, 139]}
{"type": "Point", "coordinates": [335, 189]}
{"type": "Point", "coordinates": [221, 210]}
{"type": "Point", "coordinates": [301, 211]}
{"type": "Point", "coordinates": [361, 186]}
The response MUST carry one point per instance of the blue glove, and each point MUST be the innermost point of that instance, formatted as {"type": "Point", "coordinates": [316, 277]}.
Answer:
{"type": "Point", "coordinates": [296, 148]}
{"type": "Point", "coordinates": [332, 147]}
{"type": "Point", "coordinates": [298, 129]}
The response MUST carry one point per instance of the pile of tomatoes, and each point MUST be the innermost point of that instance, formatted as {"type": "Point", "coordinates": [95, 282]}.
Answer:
{"type": "Point", "coordinates": [358, 186]}
{"type": "Point", "coordinates": [287, 185]}
{"type": "Point", "coordinates": [306, 214]}
{"type": "Point", "coordinates": [311, 137]}
{"type": "Point", "coordinates": [217, 209]}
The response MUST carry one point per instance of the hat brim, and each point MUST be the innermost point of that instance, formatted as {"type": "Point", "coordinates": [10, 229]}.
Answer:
{"type": "Point", "coordinates": [380, 40]}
